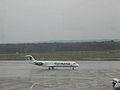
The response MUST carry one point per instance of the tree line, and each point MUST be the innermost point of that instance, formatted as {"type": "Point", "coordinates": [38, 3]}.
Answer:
{"type": "Point", "coordinates": [59, 46]}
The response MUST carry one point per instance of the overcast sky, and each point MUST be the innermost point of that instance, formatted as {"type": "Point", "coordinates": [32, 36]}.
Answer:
{"type": "Point", "coordinates": [44, 20]}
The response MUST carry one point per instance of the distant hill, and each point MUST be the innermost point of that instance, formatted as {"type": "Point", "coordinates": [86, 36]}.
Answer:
{"type": "Point", "coordinates": [71, 41]}
{"type": "Point", "coordinates": [55, 46]}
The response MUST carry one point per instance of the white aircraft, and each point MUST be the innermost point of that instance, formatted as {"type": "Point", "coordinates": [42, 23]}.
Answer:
{"type": "Point", "coordinates": [52, 64]}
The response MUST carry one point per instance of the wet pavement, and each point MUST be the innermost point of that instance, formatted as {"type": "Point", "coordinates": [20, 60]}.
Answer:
{"type": "Point", "coordinates": [90, 75]}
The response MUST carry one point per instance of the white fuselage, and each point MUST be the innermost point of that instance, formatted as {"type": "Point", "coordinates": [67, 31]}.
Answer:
{"type": "Point", "coordinates": [52, 64]}
{"type": "Point", "coordinates": [57, 63]}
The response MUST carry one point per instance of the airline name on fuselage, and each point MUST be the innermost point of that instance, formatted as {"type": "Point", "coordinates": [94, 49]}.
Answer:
{"type": "Point", "coordinates": [62, 63]}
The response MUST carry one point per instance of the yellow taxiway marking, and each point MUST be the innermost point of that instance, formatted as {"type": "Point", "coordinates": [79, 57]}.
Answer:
{"type": "Point", "coordinates": [33, 86]}
{"type": "Point", "coordinates": [35, 83]}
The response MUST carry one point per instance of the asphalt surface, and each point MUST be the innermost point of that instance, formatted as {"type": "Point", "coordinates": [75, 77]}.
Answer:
{"type": "Point", "coordinates": [90, 75]}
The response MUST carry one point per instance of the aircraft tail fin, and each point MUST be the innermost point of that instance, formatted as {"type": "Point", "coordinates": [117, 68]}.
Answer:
{"type": "Point", "coordinates": [30, 57]}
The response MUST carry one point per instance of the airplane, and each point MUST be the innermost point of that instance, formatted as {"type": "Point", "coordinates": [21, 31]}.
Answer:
{"type": "Point", "coordinates": [53, 64]}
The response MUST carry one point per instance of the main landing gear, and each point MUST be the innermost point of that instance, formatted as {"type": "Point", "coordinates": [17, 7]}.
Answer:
{"type": "Point", "coordinates": [73, 68]}
{"type": "Point", "coordinates": [51, 68]}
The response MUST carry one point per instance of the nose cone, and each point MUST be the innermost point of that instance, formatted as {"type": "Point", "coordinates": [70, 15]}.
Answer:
{"type": "Point", "coordinates": [77, 65]}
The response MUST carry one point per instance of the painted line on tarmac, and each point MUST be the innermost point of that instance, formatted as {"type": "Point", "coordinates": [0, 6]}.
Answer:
{"type": "Point", "coordinates": [33, 85]}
